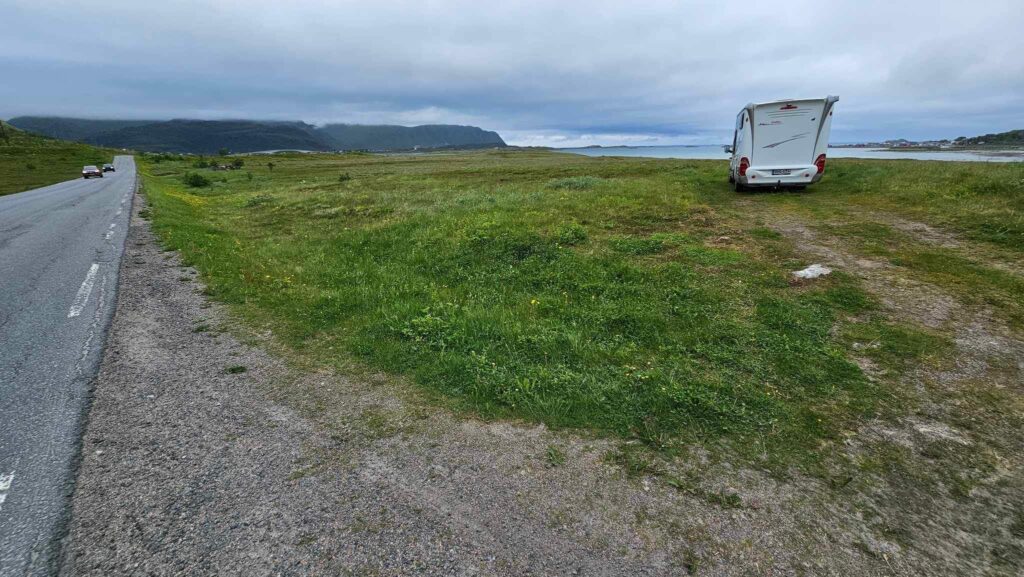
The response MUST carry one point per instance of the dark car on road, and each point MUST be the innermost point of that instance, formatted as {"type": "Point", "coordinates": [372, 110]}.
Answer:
{"type": "Point", "coordinates": [109, 168]}
{"type": "Point", "coordinates": [91, 171]}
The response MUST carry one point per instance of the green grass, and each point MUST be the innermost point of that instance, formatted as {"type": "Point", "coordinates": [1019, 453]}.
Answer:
{"type": "Point", "coordinates": [30, 161]}
{"type": "Point", "coordinates": [959, 270]}
{"type": "Point", "coordinates": [983, 201]}
{"type": "Point", "coordinates": [554, 456]}
{"type": "Point", "coordinates": [633, 297]}
{"type": "Point", "coordinates": [893, 346]}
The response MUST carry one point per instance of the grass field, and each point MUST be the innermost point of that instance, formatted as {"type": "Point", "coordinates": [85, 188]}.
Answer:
{"type": "Point", "coordinates": [30, 161]}
{"type": "Point", "coordinates": [641, 298]}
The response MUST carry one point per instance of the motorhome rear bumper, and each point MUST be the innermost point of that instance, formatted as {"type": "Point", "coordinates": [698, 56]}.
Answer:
{"type": "Point", "coordinates": [798, 176]}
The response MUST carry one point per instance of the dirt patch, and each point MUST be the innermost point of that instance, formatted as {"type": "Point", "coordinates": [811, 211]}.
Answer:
{"type": "Point", "coordinates": [937, 237]}
{"type": "Point", "coordinates": [907, 299]}
{"type": "Point", "coordinates": [944, 480]}
{"type": "Point", "coordinates": [916, 302]}
{"type": "Point", "coordinates": [920, 231]}
{"type": "Point", "coordinates": [982, 340]}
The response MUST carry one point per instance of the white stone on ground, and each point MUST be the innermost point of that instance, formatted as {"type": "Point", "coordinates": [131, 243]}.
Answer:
{"type": "Point", "coordinates": [813, 271]}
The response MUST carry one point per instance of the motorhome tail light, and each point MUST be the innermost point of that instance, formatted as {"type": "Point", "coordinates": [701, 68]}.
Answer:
{"type": "Point", "coordinates": [820, 163]}
{"type": "Point", "coordinates": [788, 107]}
{"type": "Point", "coordinates": [744, 165]}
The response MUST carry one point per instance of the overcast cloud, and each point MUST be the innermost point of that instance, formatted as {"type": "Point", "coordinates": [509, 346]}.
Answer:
{"type": "Point", "coordinates": [551, 73]}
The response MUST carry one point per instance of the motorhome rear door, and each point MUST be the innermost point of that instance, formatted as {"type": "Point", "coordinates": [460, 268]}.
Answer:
{"type": "Point", "coordinates": [785, 133]}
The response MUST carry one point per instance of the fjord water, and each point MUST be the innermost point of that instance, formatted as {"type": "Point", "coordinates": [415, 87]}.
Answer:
{"type": "Point", "coordinates": [715, 152]}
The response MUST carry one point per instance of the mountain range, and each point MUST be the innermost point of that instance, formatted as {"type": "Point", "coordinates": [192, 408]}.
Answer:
{"type": "Point", "coordinates": [210, 136]}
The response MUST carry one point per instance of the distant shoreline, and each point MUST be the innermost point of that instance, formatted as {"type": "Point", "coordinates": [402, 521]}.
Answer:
{"type": "Point", "coordinates": [1009, 149]}
{"type": "Point", "coordinates": [716, 152]}
{"type": "Point", "coordinates": [597, 146]}
{"type": "Point", "coordinates": [994, 151]}
{"type": "Point", "coordinates": [980, 149]}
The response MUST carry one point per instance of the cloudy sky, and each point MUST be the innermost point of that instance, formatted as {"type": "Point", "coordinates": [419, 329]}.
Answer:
{"type": "Point", "coordinates": [562, 72]}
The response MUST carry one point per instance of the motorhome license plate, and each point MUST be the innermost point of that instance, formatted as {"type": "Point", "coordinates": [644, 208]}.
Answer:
{"type": "Point", "coordinates": [780, 171]}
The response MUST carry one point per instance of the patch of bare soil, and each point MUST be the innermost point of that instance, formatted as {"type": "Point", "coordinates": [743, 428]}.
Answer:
{"type": "Point", "coordinates": [920, 231]}
{"type": "Point", "coordinates": [933, 236]}
{"type": "Point", "coordinates": [905, 298]}
{"type": "Point", "coordinates": [943, 487]}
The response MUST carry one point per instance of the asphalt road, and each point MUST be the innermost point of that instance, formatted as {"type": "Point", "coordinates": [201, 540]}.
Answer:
{"type": "Point", "coordinates": [60, 252]}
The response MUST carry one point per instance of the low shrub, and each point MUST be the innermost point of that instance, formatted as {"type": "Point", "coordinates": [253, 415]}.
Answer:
{"type": "Point", "coordinates": [259, 200]}
{"type": "Point", "coordinates": [575, 182]}
{"type": "Point", "coordinates": [571, 234]}
{"type": "Point", "coordinates": [195, 180]}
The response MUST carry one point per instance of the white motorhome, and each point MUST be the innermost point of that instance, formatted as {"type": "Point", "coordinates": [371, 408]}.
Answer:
{"type": "Point", "coordinates": [781, 144]}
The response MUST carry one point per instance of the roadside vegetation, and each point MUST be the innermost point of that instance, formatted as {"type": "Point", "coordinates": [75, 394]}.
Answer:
{"type": "Point", "coordinates": [636, 297]}
{"type": "Point", "coordinates": [645, 302]}
{"type": "Point", "coordinates": [30, 161]}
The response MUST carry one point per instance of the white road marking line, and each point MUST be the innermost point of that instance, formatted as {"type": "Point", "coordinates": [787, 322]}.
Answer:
{"type": "Point", "coordinates": [84, 291]}
{"type": "Point", "coordinates": [94, 327]}
{"type": "Point", "coordinates": [5, 485]}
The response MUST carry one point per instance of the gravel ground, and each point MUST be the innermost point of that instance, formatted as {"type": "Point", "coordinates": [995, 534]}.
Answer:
{"type": "Point", "coordinates": [193, 466]}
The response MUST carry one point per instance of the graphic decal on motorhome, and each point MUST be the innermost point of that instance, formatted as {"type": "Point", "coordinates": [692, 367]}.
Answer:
{"type": "Point", "coordinates": [791, 139]}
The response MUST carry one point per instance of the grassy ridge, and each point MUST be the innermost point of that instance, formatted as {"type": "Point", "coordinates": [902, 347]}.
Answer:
{"type": "Point", "coordinates": [30, 161]}
{"type": "Point", "coordinates": [638, 297]}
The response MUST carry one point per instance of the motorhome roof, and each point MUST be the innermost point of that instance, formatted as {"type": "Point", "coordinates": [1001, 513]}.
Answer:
{"type": "Point", "coordinates": [756, 104]}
